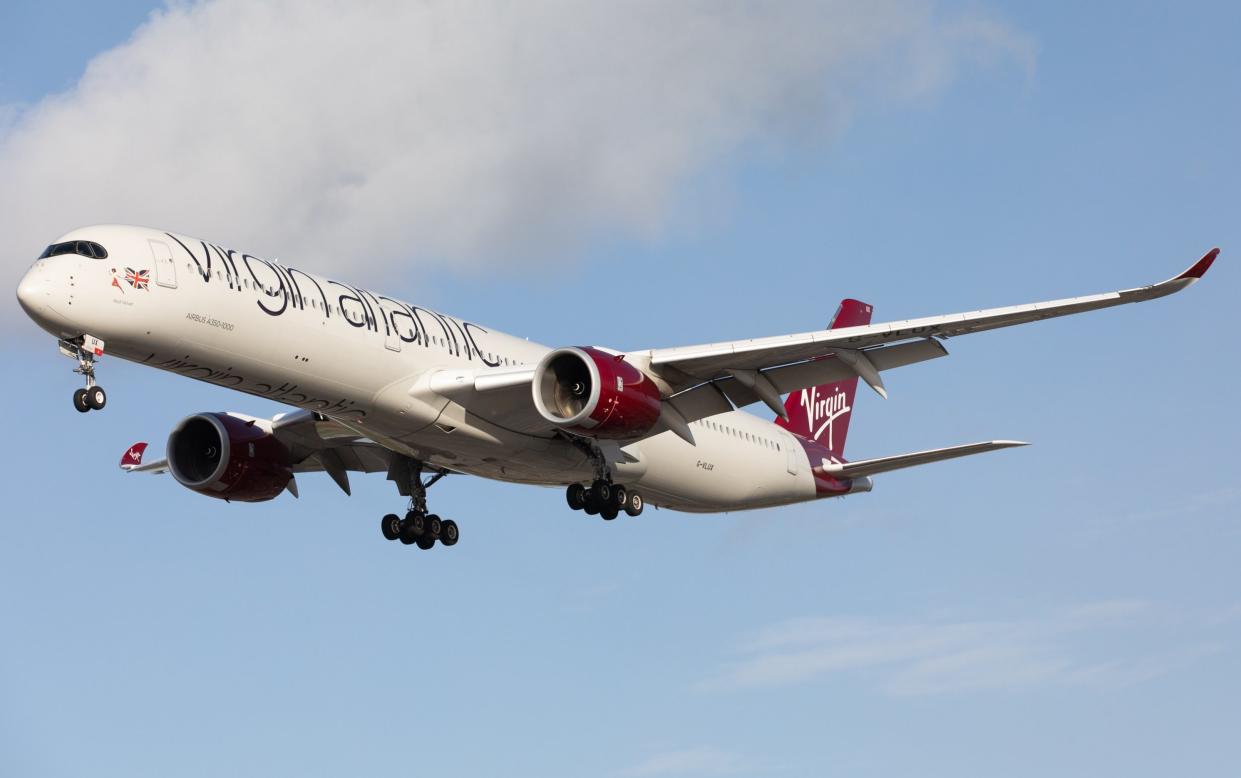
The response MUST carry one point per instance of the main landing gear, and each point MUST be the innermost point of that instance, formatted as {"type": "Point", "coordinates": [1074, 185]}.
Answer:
{"type": "Point", "coordinates": [418, 527]}
{"type": "Point", "coordinates": [92, 397]}
{"type": "Point", "coordinates": [605, 499]}
{"type": "Point", "coordinates": [602, 497]}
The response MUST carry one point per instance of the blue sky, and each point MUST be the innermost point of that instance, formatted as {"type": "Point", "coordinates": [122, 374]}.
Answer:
{"type": "Point", "coordinates": [1069, 608]}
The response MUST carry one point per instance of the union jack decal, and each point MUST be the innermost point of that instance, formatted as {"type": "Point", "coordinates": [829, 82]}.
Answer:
{"type": "Point", "coordinates": [138, 279]}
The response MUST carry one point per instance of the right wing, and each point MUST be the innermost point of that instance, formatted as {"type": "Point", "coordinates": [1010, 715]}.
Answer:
{"type": "Point", "coordinates": [701, 381]}
{"type": "Point", "coordinates": [685, 366]}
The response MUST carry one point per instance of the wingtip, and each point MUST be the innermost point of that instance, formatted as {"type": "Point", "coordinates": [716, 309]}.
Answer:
{"type": "Point", "coordinates": [133, 456]}
{"type": "Point", "coordinates": [1200, 267]}
{"type": "Point", "coordinates": [1010, 443]}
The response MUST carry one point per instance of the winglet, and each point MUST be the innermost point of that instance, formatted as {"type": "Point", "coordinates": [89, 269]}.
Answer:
{"type": "Point", "coordinates": [1200, 267]}
{"type": "Point", "coordinates": [133, 456]}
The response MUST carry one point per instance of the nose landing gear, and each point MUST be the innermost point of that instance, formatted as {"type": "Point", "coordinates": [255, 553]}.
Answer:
{"type": "Point", "coordinates": [418, 527]}
{"type": "Point", "coordinates": [92, 397]}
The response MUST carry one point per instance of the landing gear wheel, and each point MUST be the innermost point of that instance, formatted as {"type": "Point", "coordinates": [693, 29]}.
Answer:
{"type": "Point", "coordinates": [416, 522]}
{"type": "Point", "coordinates": [575, 495]}
{"type": "Point", "coordinates": [434, 526]}
{"type": "Point", "coordinates": [96, 398]}
{"type": "Point", "coordinates": [449, 534]}
{"type": "Point", "coordinates": [634, 504]}
{"type": "Point", "coordinates": [413, 528]}
{"type": "Point", "coordinates": [619, 495]}
{"type": "Point", "coordinates": [425, 542]}
{"type": "Point", "coordinates": [80, 402]}
{"type": "Point", "coordinates": [608, 513]}
{"type": "Point", "coordinates": [602, 490]}
{"type": "Point", "coordinates": [390, 526]}
{"type": "Point", "coordinates": [591, 506]}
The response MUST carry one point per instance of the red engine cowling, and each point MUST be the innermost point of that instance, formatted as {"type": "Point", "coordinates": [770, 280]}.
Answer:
{"type": "Point", "coordinates": [591, 392]}
{"type": "Point", "coordinates": [229, 458]}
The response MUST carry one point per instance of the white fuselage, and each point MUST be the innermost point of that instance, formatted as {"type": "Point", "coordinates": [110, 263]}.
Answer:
{"type": "Point", "coordinates": [260, 327]}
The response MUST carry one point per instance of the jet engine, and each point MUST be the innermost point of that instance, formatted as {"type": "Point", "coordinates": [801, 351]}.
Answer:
{"type": "Point", "coordinates": [228, 458]}
{"type": "Point", "coordinates": [592, 392]}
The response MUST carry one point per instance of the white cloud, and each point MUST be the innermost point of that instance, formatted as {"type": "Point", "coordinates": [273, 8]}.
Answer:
{"type": "Point", "coordinates": [1090, 644]}
{"type": "Point", "coordinates": [703, 760]}
{"type": "Point", "coordinates": [391, 134]}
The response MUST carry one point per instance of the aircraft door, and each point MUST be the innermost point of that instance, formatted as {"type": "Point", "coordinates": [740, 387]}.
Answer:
{"type": "Point", "coordinates": [165, 267]}
{"type": "Point", "coordinates": [794, 453]}
{"type": "Point", "coordinates": [392, 341]}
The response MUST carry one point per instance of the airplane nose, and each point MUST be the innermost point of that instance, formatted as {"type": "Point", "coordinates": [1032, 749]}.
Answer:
{"type": "Point", "coordinates": [33, 291]}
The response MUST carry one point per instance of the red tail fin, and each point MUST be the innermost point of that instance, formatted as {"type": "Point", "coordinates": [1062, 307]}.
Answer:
{"type": "Point", "coordinates": [822, 412]}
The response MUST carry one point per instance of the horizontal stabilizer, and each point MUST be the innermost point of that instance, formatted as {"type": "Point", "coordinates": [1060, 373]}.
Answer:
{"type": "Point", "coordinates": [884, 464]}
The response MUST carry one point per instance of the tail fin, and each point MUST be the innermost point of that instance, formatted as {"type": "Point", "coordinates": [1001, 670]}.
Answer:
{"type": "Point", "coordinates": [822, 413]}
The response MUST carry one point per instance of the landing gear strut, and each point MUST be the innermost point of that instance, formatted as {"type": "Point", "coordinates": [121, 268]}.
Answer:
{"type": "Point", "coordinates": [603, 497]}
{"type": "Point", "coordinates": [92, 397]}
{"type": "Point", "coordinates": [418, 527]}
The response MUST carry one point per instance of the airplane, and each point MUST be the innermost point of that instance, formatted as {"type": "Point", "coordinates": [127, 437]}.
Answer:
{"type": "Point", "coordinates": [384, 386]}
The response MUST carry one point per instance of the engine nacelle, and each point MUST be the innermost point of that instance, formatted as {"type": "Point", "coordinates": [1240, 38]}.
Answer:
{"type": "Point", "coordinates": [228, 458]}
{"type": "Point", "coordinates": [591, 392]}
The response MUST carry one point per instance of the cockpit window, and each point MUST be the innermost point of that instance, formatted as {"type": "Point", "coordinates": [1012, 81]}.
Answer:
{"type": "Point", "coordinates": [83, 248]}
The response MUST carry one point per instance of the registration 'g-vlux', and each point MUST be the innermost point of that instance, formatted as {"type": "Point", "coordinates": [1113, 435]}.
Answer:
{"type": "Point", "coordinates": [382, 385]}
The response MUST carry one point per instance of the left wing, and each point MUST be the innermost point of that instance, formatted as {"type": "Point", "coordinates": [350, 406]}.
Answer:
{"type": "Point", "coordinates": [315, 444]}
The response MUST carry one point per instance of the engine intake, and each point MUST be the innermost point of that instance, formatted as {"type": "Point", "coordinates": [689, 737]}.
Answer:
{"type": "Point", "coordinates": [228, 458]}
{"type": "Point", "coordinates": [591, 392]}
